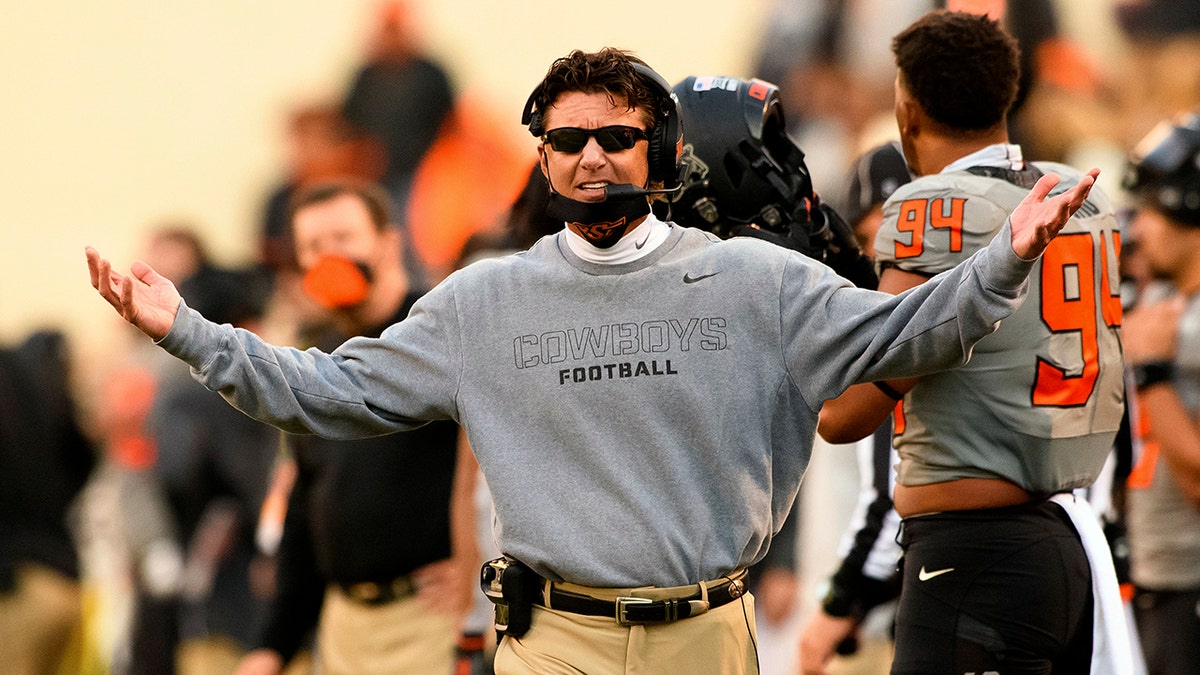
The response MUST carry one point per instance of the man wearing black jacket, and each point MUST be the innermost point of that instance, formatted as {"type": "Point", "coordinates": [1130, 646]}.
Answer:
{"type": "Point", "coordinates": [367, 539]}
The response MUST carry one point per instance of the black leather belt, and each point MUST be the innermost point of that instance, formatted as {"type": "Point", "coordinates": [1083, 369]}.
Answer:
{"type": "Point", "coordinates": [379, 592]}
{"type": "Point", "coordinates": [630, 611]}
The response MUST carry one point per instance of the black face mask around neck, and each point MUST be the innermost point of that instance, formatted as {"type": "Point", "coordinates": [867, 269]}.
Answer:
{"type": "Point", "coordinates": [601, 223]}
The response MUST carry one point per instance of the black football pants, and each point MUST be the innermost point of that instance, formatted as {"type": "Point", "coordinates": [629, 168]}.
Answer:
{"type": "Point", "coordinates": [1004, 591]}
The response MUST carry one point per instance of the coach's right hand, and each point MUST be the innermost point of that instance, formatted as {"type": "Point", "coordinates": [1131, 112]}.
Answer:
{"type": "Point", "coordinates": [1039, 217]}
{"type": "Point", "coordinates": [145, 299]}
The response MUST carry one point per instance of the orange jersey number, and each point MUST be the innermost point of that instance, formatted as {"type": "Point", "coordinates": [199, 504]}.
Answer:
{"type": "Point", "coordinates": [940, 214]}
{"type": "Point", "coordinates": [1070, 303]}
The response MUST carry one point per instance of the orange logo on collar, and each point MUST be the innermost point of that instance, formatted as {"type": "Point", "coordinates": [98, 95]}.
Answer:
{"type": "Point", "coordinates": [600, 230]}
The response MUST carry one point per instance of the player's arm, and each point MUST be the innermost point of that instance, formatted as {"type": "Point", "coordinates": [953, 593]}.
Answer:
{"type": "Point", "coordinates": [1179, 438]}
{"type": "Point", "coordinates": [859, 411]}
{"type": "Point", "coordinates": [1149, 337]}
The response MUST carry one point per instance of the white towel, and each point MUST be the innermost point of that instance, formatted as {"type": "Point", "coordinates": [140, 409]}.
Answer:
{"type": "Point", "coordinates": [1111, 650]}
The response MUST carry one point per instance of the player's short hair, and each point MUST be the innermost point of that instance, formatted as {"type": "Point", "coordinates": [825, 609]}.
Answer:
{"type": "Point", "coordinates": [963, 69]}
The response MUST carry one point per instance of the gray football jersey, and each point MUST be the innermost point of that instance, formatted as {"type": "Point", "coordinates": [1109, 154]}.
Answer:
{"type": "Point", "coordinates": [1164, 526]}
{"type": "Point", "coordinates": [1041, 399]}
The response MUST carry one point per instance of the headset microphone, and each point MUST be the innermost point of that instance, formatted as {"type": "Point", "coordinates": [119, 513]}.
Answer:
{"type": "Point", "coordinates": [630, 191]}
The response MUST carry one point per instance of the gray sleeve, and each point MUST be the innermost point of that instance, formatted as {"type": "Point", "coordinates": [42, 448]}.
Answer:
{"type": "Point", "coordinates": [366, 387]}
{"type": "Point", "coordinates": [836, 335]}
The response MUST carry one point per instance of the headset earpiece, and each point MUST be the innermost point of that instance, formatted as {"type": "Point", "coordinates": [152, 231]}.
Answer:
{"type": "Point", "coordinates": [531, 117]}
{"type": "Point", "coordinates": [665, 140]}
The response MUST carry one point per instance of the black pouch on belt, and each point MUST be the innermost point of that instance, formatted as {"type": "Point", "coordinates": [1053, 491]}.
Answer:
{"type": "Point", "coordinates": [512, 587]}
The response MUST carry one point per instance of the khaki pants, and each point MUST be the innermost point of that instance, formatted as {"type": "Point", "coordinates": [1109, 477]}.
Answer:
{"type": "Point", "coordinates": [718, 641]}
{"type": "Point", "coordinates": [39, 621]}
{"type": "Point", "coordinates": [221, 656]}
{"type": "Point", "coordinates": [397, 637]}
{"type": "Point", "coordinates": [207, 656]}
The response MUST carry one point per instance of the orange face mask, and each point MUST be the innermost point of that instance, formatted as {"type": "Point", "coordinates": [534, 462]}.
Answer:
{"type": "Point", "coordinates": [335, 282]}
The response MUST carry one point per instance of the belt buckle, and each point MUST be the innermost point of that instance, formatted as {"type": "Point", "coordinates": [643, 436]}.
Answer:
{"type": "Point", "coordinates": [366, 592]}
{"type": "Point", "coordinates": [622, 605]}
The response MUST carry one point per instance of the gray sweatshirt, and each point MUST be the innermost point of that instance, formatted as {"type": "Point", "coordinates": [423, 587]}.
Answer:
{"type": "Point", "coordinates": [645, 423]}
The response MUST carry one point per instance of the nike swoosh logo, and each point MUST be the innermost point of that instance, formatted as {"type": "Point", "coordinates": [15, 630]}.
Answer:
{"type": "Point", "coordinates": [926, 576]}
{"type": "Point", "coordinates": [639, 244]}
{"type": "Point", "coordinates": [689, 279]}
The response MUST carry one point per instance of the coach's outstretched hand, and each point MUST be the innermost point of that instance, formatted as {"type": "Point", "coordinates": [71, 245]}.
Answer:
{"type": "Point", "coordinates": [1037, 220]}
{"type": "Point", "coordinates": [145, 298]}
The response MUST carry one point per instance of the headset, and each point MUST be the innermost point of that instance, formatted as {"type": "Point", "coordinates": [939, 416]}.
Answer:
{"type": "Point", "coordinates": [666, 139]}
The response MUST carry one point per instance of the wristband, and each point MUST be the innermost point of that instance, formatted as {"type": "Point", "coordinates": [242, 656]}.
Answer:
{"type": "Point", "coordinates": [889, 390]}
{"type": "Point", "coordinates": [852, 595]}
{"type": "Point", "coordinates": [838, 601]}
{"type": "Point", "coordinates": [1154, 372]}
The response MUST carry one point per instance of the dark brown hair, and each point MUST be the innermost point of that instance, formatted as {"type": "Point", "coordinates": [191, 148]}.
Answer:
{"type": "Point", "coordinates": [372, 196]}
{"type": "Point", "coordinates": [962, 69]}
{"type": "Point", "coordinates": [608, 71]}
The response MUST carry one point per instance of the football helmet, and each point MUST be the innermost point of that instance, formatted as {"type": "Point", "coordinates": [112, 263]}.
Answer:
{"type": "Point", "coordinates": [741, 174]}
{"type": "Point", "coordinates": [1164, 169]}
{"type": "Point", "coordinates": [738, 165]}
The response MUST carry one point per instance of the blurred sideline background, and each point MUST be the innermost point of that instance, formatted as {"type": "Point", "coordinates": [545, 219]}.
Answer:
{"type": "Point", "coordinates": [121, 116]}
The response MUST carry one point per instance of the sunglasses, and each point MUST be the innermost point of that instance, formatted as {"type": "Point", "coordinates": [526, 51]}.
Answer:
{"type": "Point", "coordinates": [571, 140]}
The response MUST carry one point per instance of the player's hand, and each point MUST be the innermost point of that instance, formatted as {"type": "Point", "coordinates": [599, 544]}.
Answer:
{"type": "Point", "coordinates": [820, 638]}
{"type": "Point", "coordinates": [260, 662]}
{"type": "Point", "coordinates": [1149, 332]}
{"type": "Point", "coordinates": [145, 298]}
{"type": "Point", "coordinates": [1038, 218]}
{"type": "Point", "coordinates": [446, 586]}
{"type": "Point", "coordinates": [776, 594]}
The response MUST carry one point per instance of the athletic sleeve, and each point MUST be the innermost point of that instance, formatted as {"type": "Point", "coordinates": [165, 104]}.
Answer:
{"type": "Point", "coordinates": [835, 335]}
{"type": "Point", "coordinates": [366, 387]}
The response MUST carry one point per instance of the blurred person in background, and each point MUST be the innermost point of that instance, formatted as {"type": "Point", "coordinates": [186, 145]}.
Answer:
{"type": "Point", "coordinates": [874, 176]}
{"type": "Point", "coordinates": [519, 227]}
{"type": "Point", "coordinates": [132, 553]}
{"type": "Point", "coordinates": [831, 61]}
{"type": "Point", "coordinates": [473, 148]}
{"type": "Point", "coordinates": [45, 460]}
{"type": "Point", "coordinates": [1161, 336]}
{"type": "Point", "coordinates": [1161, 71]}
{"type": "Point", "coordinates": [866, 576]}
{"type": "Point", "coordinates": [214, 466]}
{"type": "Point", "coordinates": [320, 145]}
{"type": "Point", "coordinates": [401, 96]}
{"type": "Point", "coordinates": [369, 557]}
